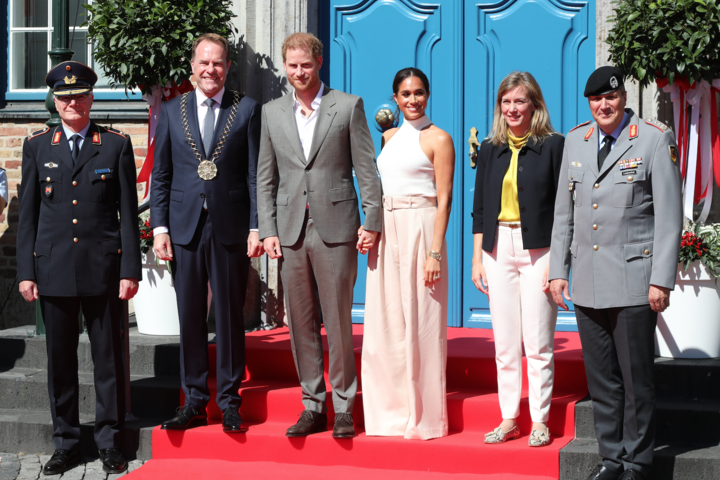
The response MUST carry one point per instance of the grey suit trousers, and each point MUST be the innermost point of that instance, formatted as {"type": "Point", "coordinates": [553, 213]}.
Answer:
{"type": "Point", "coordinates": [319, 278]}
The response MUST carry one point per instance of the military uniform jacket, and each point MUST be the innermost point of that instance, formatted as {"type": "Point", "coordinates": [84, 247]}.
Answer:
{"type": "Point", "coordinates": [70, 239]}
{"type": "Point", "coordinates": [619, 229]}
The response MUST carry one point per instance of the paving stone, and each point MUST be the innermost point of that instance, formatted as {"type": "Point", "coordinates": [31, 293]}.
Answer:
{"type": "Point", "coordinates": [134, 464]}
{"type": "Point", "coordinates": [9, 466]}
{"type": "Point", "coordinates": [76, 473]}
{"type": "Point", "coordinates": [94, 471]}
{"type": "Point", "coordinates": [44, 459]}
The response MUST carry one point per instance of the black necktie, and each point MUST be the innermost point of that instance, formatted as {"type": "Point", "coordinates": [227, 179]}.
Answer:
{"type": "Point", "coordinates": [605, 150]}
{"type": "Point", "coordinates": [209, 126]}
{"type": "Point", "coordinates": [76, 147]}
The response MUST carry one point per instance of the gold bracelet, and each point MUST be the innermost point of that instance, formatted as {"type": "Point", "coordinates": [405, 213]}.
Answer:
{"type": "Point", "coordinates": [435, 255]}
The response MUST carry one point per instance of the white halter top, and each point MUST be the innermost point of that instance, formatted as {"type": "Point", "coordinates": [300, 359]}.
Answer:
{"type": "Point", "coordinates": [405, 170]}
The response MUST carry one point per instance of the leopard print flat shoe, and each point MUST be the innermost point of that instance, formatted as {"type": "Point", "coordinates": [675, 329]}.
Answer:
{"type": "Point", "coordinates": [498, 436]}
{"type": "Point", "coordinates": [538, 438]}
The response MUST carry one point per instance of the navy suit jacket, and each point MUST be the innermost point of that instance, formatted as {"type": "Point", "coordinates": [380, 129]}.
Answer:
{"type": "Point", "coordinates": [177, 192]}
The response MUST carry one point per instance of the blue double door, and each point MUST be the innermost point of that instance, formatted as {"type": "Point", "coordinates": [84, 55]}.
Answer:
{"type": "Point", "coordinates": [466, 48]}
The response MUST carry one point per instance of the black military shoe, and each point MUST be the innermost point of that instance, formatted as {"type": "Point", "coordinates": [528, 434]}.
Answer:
{"type": "Point", "coordinates": [601, 472]}
{"type": "Point", "coordinates": [185, 418]}
{"type": "Point", "coordinates": [343, 426]}
{"type": "Point", "coordinates": [631, 474]}
{"type": "Point", "coordinates": [61, 462]}
{"type": "Point", "coordinates": [113, 461]}
{"type": "Point", "coordinates": [232, 422]}
{"type": "Point", "coordinates": [310, 422]}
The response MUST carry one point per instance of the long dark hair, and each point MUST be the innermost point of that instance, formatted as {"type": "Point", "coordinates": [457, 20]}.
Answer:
{"type": "Point", "coordinates": [403, 75]}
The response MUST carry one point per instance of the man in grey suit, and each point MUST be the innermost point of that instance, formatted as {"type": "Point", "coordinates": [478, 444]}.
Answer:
{"type": "Point", "coordinates": [308, 217]}
{"type": "Point", "coordinates": [618, 224]}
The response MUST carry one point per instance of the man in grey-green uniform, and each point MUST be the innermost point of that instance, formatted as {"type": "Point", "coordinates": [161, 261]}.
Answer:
{"type": "Point", "coordinates": [618, 223]}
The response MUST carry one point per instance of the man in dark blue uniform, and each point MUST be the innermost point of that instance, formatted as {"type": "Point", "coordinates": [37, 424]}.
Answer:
{"type": "Point", "coordinates": [74, 252]}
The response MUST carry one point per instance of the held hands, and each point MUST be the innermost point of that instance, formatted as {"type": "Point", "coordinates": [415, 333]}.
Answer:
{"type": "Point", "coordinates": [366, 240]}
{"type": "Point", "coordinates": [432, 271]}
{"type": "Point", "coordinates": [272, 247]}
{"type": "Point", "coordinates": [29, 290]}
{"type": "Point", "coordinates": [128, 288]}
{"type": "Point", "coordinates": [659, 298]}
{"type": "Point", "coordinates": [558, 289]}
{"type": "Point", "coordinates": [163, 247]}
{"type": "Point", "coordinates": [479, 277]}
{"type": "Point", "coordinates": [255, 246]}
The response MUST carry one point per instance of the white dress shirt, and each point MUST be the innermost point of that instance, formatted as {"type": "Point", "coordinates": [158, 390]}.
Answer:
{"type": "Point", "coordinates": [615, 134]}
{"type": "Point", "coordinates": [306, 125]}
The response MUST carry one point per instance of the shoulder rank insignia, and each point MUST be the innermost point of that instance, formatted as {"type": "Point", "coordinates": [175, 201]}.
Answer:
{"type": "Point", "coordinates": [96, 138]}
{"type": "Point", "coordinates": [581, 125]}
{"type": "Point", "coordinates": [659, 125]}
{"type": "Point", "coordinates": [38, 133]}
{"type": "Point", "coordinates": [633, 131]}
{"type": "Point", "coordinates": [673, 153]}
{"type": "Point", "coordinates": [56, 137]}
{"type": "Point", "coordinates": [115, 131]}
{"type": "Point", "coordinates": [589, 132]}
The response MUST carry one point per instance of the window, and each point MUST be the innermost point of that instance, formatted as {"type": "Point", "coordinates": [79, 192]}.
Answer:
{"type": "Point", "coordinates": [30, 39]}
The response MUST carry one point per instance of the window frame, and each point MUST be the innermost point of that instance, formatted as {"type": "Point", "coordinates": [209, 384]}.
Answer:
{"type": "Point", "coordinates": [11, 94]}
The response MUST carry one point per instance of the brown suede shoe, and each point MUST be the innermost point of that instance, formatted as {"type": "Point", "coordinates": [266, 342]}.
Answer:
{"type": "Point", "coordinates": [310, 422]}
{"type": "Point", "coordinates": [343, 426]}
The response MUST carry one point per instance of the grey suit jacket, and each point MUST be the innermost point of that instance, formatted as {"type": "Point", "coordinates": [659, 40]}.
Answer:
{"type": "Point", "coordinates": [287, 181]}
{"type": "Point", "coordinates": [619, 228]}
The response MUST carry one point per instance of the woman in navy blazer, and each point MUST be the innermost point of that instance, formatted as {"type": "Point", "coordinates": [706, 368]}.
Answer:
{"type": "Point", "coordinates": [515, 187]}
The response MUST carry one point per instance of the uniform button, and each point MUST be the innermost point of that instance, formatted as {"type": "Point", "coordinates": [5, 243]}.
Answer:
{"type": "Point", "coordinates": [629, 179]}
{"type": "Point", "coordinates": [520, 189]}
{"type": "Point", "coordinates": [119, 250]}
{"type": "Point", "coordinates": [522, 209]}
{"type": "Point", "coordinates": [595, 206]}
{"type": "Point", "coordinates": [74, 220]}
{"type": "Point", "coordinates": [597, 185]}
{"type": "Point", "coordinates": [595, 247]}
{"type": "Point", "coordinates": [103, 177]}
{"type": "Point", "coordinates": [48, 179]}
{"type": "Point", "coordinates": [75, 240]}
{"type": "Point", "coordinates": [520, 169]}
{"type": "Point", "coordinates": [646, 252]}
{"type": "Point", "coordinates": [304, 192]}
{"type": "Point", "coordinates": [74, 184]}
{"type": "Point", "coordinates": [572, 177]}
{"type": "Point", "coordinates": [202, 195]}
{"type": "Point", "coordinates": [35, 254]}
{"type": "Point", "coordinates": [595, 227]}
{"type": "Point", "coordinates": [74, 202]}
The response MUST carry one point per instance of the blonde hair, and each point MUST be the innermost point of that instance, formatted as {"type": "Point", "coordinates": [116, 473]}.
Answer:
{"type": "Point", "coordinates": [540, 125]}
{"type": "Point", "coordinates": [305, 41]}
{"type": "Point", "coordinates": [212, 38]}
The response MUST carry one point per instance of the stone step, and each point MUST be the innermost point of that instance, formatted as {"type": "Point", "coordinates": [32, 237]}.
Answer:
{"type": "Point", "coordinates": [685, 378]}
{"type": "Point", "coordinates": [678, 421]}
{"type": "Point", "coordinates": [27, 389]}
{"type": "Point", "coordinates": [671, 462]}
{"type": "Point", "coordinates": [31, 431]}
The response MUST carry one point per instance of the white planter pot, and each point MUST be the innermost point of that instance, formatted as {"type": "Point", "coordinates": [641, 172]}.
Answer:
{"type": "Point", "coordinates": [690, 327]}
{"type": "Point", "coordinates": [155, 303]}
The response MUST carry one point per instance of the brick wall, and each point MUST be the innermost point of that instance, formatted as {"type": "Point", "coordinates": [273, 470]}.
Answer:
{"type": "Point", "coordinates": [12, 134]}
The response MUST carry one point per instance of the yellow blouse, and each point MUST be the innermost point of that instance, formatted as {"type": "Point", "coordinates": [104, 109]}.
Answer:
{"type": "Point", "coordinates": [509, 207]}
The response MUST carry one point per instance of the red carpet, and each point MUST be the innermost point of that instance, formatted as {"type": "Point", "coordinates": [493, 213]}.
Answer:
{"type": "Point", "coordinates": [272, 402]}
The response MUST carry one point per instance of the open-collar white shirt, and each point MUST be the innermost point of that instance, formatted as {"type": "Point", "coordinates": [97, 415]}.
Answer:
{"type": "Point", "coordinates": [306, 125]}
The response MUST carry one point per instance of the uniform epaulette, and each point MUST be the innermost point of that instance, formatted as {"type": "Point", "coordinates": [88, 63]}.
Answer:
{"type": "Point", "coordinates": [659, 125]}
{"type": "Point", "coordinates": [38, 133]}
{"type": "Point", "coordinates": [116, 131]}
{"type": "Point", "coordinates": [581, 125]}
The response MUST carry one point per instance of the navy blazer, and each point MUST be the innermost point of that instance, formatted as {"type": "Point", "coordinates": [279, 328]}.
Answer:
{"type": "Point", "coordinates": [177, 192]}
{"type": "Point", "coordinates": [537, 181]}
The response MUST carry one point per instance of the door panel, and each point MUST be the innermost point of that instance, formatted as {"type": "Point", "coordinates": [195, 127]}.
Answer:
{"type": "Point", "coordinates": [553, 40]}
{"type": "Point", "coordinates": [367, 43]}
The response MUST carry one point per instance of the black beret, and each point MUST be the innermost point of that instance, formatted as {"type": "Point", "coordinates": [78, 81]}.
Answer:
{"type": "Point", "coordinates": [604, 80]}
{"type": "Point", "coordinates": [71, 78]}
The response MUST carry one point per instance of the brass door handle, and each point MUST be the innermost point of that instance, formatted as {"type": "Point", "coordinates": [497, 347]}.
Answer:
{"type": "Point", "coordinates": [385, 118]}
{"type": "Point", "coordinates": [474, 147]}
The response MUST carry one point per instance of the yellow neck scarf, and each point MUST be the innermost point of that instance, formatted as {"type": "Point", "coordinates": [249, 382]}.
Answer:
{"type": "Point", "coordinates": [509, 206]}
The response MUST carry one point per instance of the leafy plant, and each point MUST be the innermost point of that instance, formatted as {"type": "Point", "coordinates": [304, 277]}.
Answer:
{"type": "Point", "coordinates": [142, 43]}
{"type": "Point", "coordinates": [666, 38]}
{"type": "Point", "coordinates": [701, 242]}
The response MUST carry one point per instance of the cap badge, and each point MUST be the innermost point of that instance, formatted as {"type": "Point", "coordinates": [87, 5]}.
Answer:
{"type": "Point", "coordinates": [71, 80]}
{"type": "Point", "coordinates": [613, 82]}
{"type": "Point", "coordinates": [68, 67]}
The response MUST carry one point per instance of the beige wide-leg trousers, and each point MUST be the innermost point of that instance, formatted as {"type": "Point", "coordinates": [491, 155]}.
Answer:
{"type": "Point", "coordinates": [405, 341]}
{"type": "Point", "coordinates": [521, 313]}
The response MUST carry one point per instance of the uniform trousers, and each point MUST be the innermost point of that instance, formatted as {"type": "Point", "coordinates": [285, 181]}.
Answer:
{"type": "Point", "coordinates": [619, 353]}
{"type": "Point", "coordinates": [103, 316]}
{"type": "Point", "coordinates": [318, 279]}
{"type": "Point", "coordinates": [206, 259]}
{"type": "Point", "coordinates": [405, 340]}
{"type": "Point", "coordinates": [521, 313]}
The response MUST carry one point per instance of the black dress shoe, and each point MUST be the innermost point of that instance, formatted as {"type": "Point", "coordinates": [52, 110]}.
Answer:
{"type": "Point", "coordinates": [62, 461]}
{"type": "Point", "coordinates": [232, 422]}
{"type": "Point", "coordinates": [343, 427]}
{"type": "Point", "coordinates": [113, 461]}
{"type": "Point", "coordinates": [185, 418]}
{"type": "Point", "coordinates": [310, 422]}
{"type": "Point", "coordinates": [601, 472]}
{"type": "Point", "coordinates": [631, 474]}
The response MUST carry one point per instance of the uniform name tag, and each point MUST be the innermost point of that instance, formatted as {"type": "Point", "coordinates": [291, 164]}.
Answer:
{"type": "Point", "coordinates": [630, 163]}
{"type": "Point", "coordinates": [103, 170]}
{"type": "Point", "coordinates": [628, 172]}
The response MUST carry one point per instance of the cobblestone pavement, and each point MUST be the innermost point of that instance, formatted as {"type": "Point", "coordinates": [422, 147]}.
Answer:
{"type": "Point", "coordinates": [24, 466]}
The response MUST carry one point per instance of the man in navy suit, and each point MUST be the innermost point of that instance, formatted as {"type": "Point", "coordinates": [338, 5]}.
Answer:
{"type": "Point", "coordinates": [203, 211]}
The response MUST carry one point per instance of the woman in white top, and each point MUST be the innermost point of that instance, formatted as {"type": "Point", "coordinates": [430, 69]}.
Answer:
{"type": "Point", "coordinates": [405, 343]}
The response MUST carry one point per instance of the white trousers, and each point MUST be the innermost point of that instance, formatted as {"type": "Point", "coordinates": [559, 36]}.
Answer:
{"type": "Point", "coordinates": [521, 313]}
